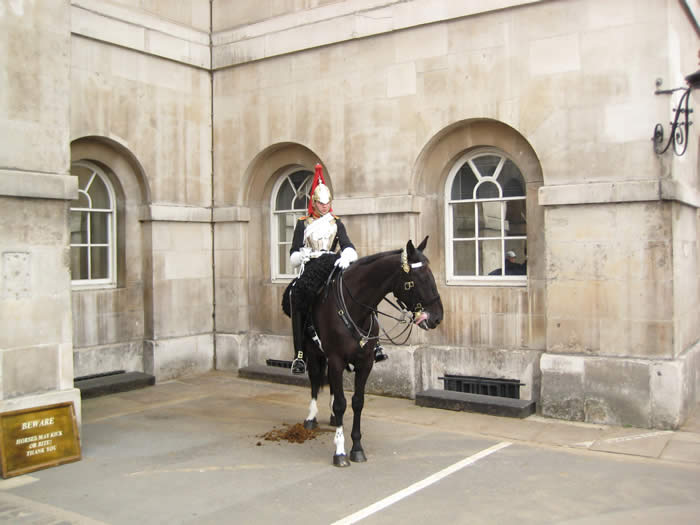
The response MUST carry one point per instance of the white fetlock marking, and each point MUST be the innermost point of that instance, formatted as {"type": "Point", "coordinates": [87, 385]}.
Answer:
{"type": "Point", "coordinates": [331, 404]}
{"type": "Point", "coordinates": [313, 410]}
{"type": "Point", "coordinates": [339, 441]}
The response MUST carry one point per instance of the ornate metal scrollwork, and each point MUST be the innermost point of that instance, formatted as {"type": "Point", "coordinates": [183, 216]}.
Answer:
{"type": "Point", "coordinates": [678, 135]}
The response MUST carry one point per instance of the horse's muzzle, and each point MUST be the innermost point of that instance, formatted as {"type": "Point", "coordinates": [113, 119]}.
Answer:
{"type": "Point", "coordinates": [425, 321]}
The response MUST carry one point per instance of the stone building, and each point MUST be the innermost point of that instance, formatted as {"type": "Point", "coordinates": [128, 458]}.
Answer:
{"type": "Point", "coordinates": [152, 151]}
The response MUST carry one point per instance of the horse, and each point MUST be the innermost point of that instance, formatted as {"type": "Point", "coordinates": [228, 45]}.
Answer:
{"type": "Point", "coordinates": [344, 316]}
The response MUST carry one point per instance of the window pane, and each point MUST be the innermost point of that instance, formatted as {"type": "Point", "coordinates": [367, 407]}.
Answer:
{"type": "Point", "coordinates": [486, 164]}
{"type": "Point", "coordinates": [464, 260]}
{"type": "Point", "coordinates": [99, 262]}
{"type": "Point", "coordinates": [490, 219]}
{"type": "Point", "coordinates": [490, 257]}
{"type": "Point", "coordinates": [511, 180]}
{"type": "Point", "coordinates": [81, 202]}
{"type": "Point", "coordinates": [519, 264]}
{"type": "Point", "coordinates": [78, 263]}
{"type": "Point", "coordinates": [516, 224]}
{"type": "Point", "coordinates": [285, 227]}
{"type": "Point", "coordinates": [488, 190]}
{"type": "Point", "coordinates": [84, 175]}
{"type": "Point", "coordinates": [302, 181]}
{"type": "Point", "coordinates": [463, 184]}
{"type": "Point", "coordinates": [99, 228]}
{"type": "Point", "coordinates": [78, 227]}
{"type": "Point", "coordinates": [285, 267]}
{"type": "Point", "coordinates": [99, 194]}
{"type": "Point", "coordinates": [285, 196]}
{"type": "Point", "coordinates": [463, 220]}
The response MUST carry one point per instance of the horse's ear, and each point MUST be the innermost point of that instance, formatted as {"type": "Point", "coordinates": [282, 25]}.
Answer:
{"type": "Point", "coordinates": [421, 246]}
{"type": "Point", "coordinates": [410, 249]}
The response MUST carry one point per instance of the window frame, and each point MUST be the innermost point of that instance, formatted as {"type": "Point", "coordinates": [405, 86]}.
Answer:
{"type": "Point", "coordinates": [111, 213]}
{"type": "Point", "coordinates": [479, 280]}
{"type": "Point", "coordinates": [275, 271]}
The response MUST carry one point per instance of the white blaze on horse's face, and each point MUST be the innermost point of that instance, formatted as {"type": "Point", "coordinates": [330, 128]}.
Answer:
{"type": "Point", "coordinates": [339, 441]}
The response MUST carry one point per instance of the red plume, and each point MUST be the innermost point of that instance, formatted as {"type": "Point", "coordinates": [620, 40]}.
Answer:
{"type": "Point", "coordinates": [318, 179]}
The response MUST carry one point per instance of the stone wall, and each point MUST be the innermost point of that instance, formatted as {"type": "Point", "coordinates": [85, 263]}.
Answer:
{"type": "Point", "coordinates": [36, 362]}
{"type": "Point", "coordinates": [141, 107]}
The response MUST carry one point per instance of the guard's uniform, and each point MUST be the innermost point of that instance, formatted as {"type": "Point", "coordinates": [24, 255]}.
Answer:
{"type": "Point", "coordinates": [316, 239]}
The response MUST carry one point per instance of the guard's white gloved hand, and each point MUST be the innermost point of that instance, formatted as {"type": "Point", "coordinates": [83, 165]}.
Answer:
{"type": "Point", "coordinates": [295, 259]}
{"type": "Point", "coordinates": [347, 256]}
{"type": "Point", "coordinates": [300, 257]}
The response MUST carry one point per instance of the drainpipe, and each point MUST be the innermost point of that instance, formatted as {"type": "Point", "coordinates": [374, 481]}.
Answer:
{"type": "Point", "coordinates": [213, 240]}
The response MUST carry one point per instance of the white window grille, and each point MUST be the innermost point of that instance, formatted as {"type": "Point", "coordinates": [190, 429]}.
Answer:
{"type": "Point", "coordinates": [290, 199]}
{"type": "Point", "coordinates": [92, 228]}
{"type": "Point", "coordinates": [485, 220]}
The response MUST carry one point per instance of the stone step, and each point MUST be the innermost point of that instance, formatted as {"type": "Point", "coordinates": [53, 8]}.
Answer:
{"type": "Point", "coordinates": [104, 384]}
{"type": "Point", "coordinates": [491, 405]}
{"type": "Point", "coordinates": [274, 374]}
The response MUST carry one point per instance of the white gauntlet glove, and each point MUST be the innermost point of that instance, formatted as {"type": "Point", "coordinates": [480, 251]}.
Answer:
{"type": "Point", "coordinates": [300, 257]}
{"type": "Point", "coordinates": [295, 259]}
{"type": "Point", "coordinates": [347, 256]}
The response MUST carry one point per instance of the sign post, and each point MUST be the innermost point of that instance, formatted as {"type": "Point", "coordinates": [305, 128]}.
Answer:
{"type": "Point", "coordinates": [38, 438]}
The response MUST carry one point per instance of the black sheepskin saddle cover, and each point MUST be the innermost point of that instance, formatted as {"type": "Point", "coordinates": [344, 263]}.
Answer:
{"type": "Point", "coordinates": [309, 283]}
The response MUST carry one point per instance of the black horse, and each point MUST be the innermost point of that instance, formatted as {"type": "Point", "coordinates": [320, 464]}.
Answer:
{"type": "Point", "coordinates": [346, 321]}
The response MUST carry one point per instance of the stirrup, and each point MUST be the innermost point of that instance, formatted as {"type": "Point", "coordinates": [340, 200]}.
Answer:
{"type": "Point", "coordinates": [298, 365]}
{"type": "Point", "coordinates": [379, 354]}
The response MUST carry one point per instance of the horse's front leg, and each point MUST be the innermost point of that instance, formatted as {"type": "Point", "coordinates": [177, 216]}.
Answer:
{"type": "Point", "coordinates": [357, 453]}
{"type": "Point", "coordinates": [315, 368]}
{"type": "Point", "coordinates": [335, 378]}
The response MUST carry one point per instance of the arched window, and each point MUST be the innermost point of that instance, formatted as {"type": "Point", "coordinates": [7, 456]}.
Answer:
{"type": "Point", "coordinates": [290, 199]}
{"type": "Point", "coordinates": [92, 228]}
{"type": "Point", "coordinates": [485, 220]}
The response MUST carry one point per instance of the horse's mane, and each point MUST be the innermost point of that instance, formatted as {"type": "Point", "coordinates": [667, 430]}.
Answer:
{"type": "Point", "coordinates": [371, 258]}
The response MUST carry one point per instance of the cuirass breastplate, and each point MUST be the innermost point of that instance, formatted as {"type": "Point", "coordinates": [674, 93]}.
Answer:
{"type": "Point", "coordinates": [320, 233]}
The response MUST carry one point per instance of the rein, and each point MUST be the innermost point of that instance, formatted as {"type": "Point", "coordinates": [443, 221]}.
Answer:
{"type": "Point", "coordinates": [363, 337]}
{"type": "Point", "coordinates": [408, 286]}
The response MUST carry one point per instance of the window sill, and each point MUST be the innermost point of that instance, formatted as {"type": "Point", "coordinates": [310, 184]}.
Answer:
{"type": "Point", "coordinates": [510, 282]}
{"type": "Point", "coordinates": [84, 287]}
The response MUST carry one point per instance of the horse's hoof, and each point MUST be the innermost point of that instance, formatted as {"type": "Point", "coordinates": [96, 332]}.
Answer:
{"type": "Point", "coordinates": [340, 460]}
{"type": "Point", "coordinates": [358, 456]}
{"type": "Point", "coordinates": [310, 424]}
{"type": "Point", "coordinates": [333, 421]}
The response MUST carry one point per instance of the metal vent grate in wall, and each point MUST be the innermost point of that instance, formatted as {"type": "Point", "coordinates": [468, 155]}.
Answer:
{"type": "Point", "coordinates": [484, 386]}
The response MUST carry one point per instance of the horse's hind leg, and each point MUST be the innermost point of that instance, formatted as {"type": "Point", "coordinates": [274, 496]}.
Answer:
{"type": "Point", "coordinates": [335, 379]}
{"type": "Point", "coordinates": [357, 453]}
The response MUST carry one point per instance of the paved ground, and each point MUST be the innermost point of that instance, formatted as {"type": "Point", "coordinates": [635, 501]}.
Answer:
{"type": "Point", "coordinates": [191, 451]}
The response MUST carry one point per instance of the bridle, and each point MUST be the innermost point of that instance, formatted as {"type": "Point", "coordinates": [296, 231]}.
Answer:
{"type": "Point", "coordinates": [409, 286]}
{"type": "Point", "coordinates": [408, 315]}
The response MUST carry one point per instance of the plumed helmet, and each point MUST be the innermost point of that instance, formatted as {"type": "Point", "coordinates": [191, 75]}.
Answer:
{"type": "Point", "coordinates": [319, 191]}
{"type": "Point", "coordinates": [322, 194]}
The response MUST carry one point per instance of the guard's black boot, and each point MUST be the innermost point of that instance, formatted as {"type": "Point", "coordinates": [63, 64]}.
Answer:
{"type": "Point", "coordinates": [298, 365]}
{"type": "Point", "coordinates": [379, 354]}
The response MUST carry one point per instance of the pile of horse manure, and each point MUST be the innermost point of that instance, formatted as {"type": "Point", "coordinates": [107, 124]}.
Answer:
{"type": "Point", "coordinates": [294, 434]}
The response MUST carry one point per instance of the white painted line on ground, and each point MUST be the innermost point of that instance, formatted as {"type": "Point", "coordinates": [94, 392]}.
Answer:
{"type": "Point", "coordinates": [624, 438]}
{"type": "Point", "coordinates": [390, 500]}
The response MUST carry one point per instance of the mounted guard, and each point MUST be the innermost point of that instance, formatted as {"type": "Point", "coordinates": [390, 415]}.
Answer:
{"type": "Point", "coordinates": [316, 238]}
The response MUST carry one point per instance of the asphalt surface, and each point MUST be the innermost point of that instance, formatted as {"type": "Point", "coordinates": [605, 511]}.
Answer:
{"type": "Point", "coordinates": [194, 451]}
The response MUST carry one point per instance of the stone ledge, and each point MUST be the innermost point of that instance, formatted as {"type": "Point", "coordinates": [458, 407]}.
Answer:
{"type": "Point", "coordinates": [29, 184]}
{"type": "Point", "coordinates": [112, 384]}
{"type": "Point", "coordinates": [273, 374]}
{"type": "Point", "coordinates": [491, 405]}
